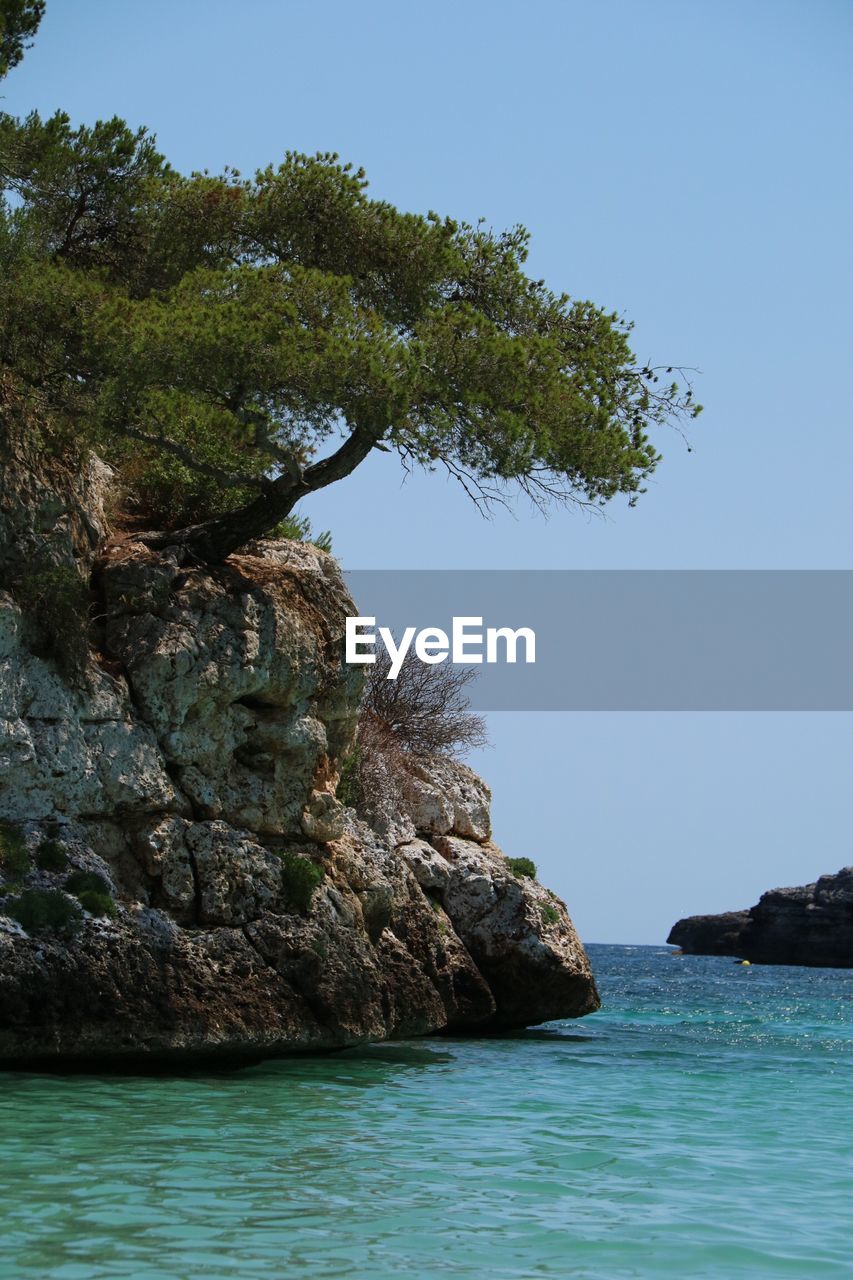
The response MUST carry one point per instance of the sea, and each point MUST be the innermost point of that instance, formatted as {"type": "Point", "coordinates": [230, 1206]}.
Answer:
{"type": "Point", "coordinates": [698, 1126]}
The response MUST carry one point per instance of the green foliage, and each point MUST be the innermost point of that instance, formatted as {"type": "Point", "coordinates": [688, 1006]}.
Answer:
{"type": "Point", "coordinates": [350, 790]}
{"type": "Point", "coordinates": [50, 856]}
{"type": "Point", "coordinates": [18, 22]}
{"type": "Point", "coordinates": [298, 529]}
{"type": "Point", "coordinates": [212, 335]}
{"type": "Point", "coordinates": [299, 879]}
{"type": "Point", "coordinates": [87, 882]}
{"type": "Point", "coordinates": [522, 867]}
{"type": "Point", "coordinates": [550, 914]}
{"type": "Point", "coordinates": [81, 189]}
{"type": "Point", "coordinates": [167, 493]}
{"type": "Point", "coordinates": [55, 600]}
{"type": "Point", "coordinates": [92, 891]}
{"type": "Point", "coordinates": [97, 904]}
{"type": "Point", "coordinates": [15, 859]}
{"type": "Point", "coordinates": [38, 909]}
{"type": "Point", "coordinates": [171, 495]}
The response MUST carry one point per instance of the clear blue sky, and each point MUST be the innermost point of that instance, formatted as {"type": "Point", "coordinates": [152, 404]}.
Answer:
{"type": "Point", "coordinates": [685, 163]}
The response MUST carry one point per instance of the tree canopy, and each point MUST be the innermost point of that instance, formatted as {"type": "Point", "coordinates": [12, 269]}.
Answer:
{"type": "Point", "coordinates": [233, 344]}
{"type": "Point", "coordinates": [19, 20]}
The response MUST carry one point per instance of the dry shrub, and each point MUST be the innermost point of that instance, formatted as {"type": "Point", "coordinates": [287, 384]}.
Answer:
{"type": "Point", "coordinates": [424, 712]}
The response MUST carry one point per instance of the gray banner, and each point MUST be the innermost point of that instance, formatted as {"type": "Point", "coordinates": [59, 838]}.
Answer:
{"type": "Point", "coordinates": [664, 640]}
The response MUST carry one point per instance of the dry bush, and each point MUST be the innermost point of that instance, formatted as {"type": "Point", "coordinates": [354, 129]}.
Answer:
{"type": "Point", "coordinates": [424, 712]}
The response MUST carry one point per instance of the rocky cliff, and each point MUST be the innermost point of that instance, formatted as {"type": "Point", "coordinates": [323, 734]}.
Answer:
{"type": "Point", "coordinates": [177, 876]}
{"type": "Point", "coordinates": [809, 925]}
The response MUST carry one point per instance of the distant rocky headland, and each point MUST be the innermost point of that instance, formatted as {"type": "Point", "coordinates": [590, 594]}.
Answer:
{"type": "Point", "coordinates": [179, 878]}
{"type": "Point", "coordinates": [809, 925]}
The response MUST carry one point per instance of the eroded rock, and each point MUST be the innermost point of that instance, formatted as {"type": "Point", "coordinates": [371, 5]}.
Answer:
{"type": "Point", "coordinates": [193, 771]}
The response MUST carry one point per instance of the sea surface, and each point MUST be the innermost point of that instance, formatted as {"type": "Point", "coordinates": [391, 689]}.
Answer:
{"type": "Point", "coordinates": [700, 1125]}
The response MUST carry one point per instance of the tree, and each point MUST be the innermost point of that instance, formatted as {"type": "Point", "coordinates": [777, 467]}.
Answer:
{"type": "Point", "coordinates": [19, 20]}
{"type": "Point", "coordinates": [235, 345]}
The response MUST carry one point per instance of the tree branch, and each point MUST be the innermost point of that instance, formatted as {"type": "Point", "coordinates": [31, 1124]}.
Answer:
{"type": "Point", "coordinates": [216, 538]}
{"type": "Point", "coordinates": [227, 479]}
{"type": "Point", "coordinates": [353, 451]}
{"type": "Point", "coordinates": [264, 443]}
{"type": "Point", "coordinates": [79, 210]}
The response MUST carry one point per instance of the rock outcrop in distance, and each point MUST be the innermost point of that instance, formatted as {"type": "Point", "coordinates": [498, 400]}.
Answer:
{"type": "Point", "coordinates": [809, 925]}
{"type": "Point", "coordinates": [178, 880]}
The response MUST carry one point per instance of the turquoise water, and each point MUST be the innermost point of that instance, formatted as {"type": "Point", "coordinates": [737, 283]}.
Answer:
{"type": "Point", "coordinates": [699, 1126]}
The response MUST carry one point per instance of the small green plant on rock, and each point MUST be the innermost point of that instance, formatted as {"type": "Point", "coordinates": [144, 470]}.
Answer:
{"type": "Point", "coordinates": [522, 867]}
{"type": "Point", "coordinates": [50, 856]}
{"type": "Point", "coordinates": [55, 599]}
{"type": "Point", "coordinates": [550, 914]}
{"type": "Point", "coordinates": [38, 909]}
{"type": "Point", "coordinates": [92, 892]}
{"type": "Point", "coordinates": [87, 882]}
{"type": "Point", "coordinates": [298, 529]}
{"type": "Point", "coordinates": [97, 904]}
{"type": "Point", "coordinates": [299, 879]}
{"type": "Point", "coordinates": [15, 859]}
{"type": "Point", "coordinates": [349, 789]}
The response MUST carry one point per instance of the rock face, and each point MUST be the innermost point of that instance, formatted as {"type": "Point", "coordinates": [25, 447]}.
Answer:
{"type": "Point", "coordinates": [809, 925]}
{"type": "Point", "coordinates": [718, 935]}
{"type": "Point", "coordinates": [51, 513]}
{"type": "Point", "coordinates": [240, 910]}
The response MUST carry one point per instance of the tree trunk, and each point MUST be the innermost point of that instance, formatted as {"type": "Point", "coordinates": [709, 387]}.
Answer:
{"type": "Point", "coordinates": [215, 539]}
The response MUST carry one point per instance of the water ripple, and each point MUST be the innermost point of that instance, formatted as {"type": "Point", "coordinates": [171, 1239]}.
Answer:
{"type": "Point", "coordinates": [696, 1126]}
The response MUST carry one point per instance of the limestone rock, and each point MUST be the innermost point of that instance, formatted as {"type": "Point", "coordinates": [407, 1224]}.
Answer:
{"type": "Point", "coordinates": [431, 868]}
{"type": "Point", "coordinates": [239, 675]}
{"type": "Point", "coordinates": [71, 751]}
{"type": "Point", "coordinates": [194, 770]}
{"type": "Point", "coordinates": [162, 851]}
{"type": "Point", "coordinates": [715, 935]}
{"type": "Point", "coordinates": [238, 879]}
{"type": "Point", "coordinates": [51, 512]}
{"type": "Point", "coordinates": [808, 925]}
{"type": "Point", "coordinates": [442, 796]}
{"type": "Point", "coordinates": [519, 935]}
